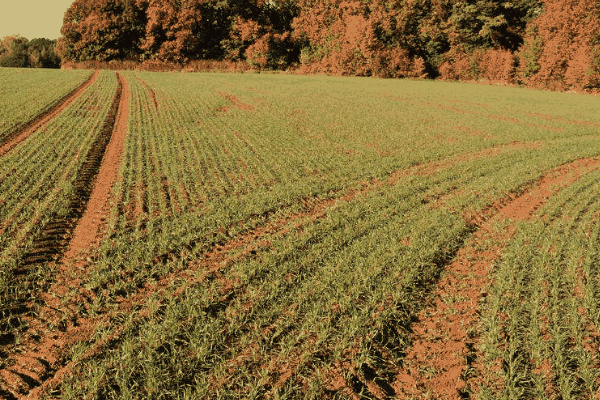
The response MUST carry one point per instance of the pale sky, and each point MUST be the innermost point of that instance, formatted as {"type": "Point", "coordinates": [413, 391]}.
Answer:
{"type": "Point", "coordinates": [32, 18]}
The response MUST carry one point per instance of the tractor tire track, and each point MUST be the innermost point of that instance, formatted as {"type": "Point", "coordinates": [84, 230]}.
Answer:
{"type": "Point", "coordinates": [38, 356]}
{"type": "Point", "coordinates": [28, 128]}
{"type": "Point", "coordinates": [96, 209]}
{"type": "Point", "coordinates": [444, 361]}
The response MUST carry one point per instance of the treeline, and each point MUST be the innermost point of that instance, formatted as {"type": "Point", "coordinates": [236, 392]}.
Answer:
{"type": "Point", "coordinates": [551, 43]}
{"type": "Point", "coordinates": [16, 51]}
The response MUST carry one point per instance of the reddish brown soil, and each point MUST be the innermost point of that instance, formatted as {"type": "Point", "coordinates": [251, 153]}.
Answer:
{"type": "Point", "coordinates": [30, 127]}
{"type": "Point", "coordinates": [35, 360]}
{"type": "Point", "coordinates": [97, 209]}
{"type": "Point", "coordinates": [235, 103]}
{"type": "Point", "coordinates": [445, 334]}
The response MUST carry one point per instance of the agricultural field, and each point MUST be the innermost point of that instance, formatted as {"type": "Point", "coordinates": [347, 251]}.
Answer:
{"type": "Point", "coordinates": [224, 236]}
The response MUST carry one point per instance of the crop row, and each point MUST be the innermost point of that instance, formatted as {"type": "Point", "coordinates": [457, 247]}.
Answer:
{"type": "Point", "coordinates": [542, 318]}
{"type": "Point", "coordinates": [261, 243]}
{"type": "Point", "coordinates": [275, 285]}
{"type": "Point", "coordinates": [38, 186]}
{"type": "Point", "coordinates": [25, 94]}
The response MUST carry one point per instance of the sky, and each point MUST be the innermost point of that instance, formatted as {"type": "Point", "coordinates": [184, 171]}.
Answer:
{"type": "Point", "coordinates": [32, 18]}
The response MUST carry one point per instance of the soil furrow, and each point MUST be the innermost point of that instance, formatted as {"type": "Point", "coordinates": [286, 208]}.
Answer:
{"type": "Point", "coordinates": [38, 355]}
{"type": "Point", "coordinates": [96, 209]}
{"type": "Point", "coordinates": [25, 130]}
{"type": "Point", "coordinates": [444, 361]}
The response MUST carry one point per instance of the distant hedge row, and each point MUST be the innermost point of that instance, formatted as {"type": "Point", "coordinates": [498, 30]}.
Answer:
{"type": "Point", "coordinates": [542, 43]}
{"type": "Point", "coordinates": [19, 52]}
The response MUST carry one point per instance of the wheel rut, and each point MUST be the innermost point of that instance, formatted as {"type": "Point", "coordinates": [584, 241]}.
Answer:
{"type": "Point", "coordinates": [63, 243]}
{"type": "Point", "coordinates": [28, 128]}
{"type": "Point", "coordinates": [444, 361]}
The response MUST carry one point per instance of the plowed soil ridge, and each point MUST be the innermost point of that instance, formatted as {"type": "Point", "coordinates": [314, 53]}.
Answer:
{"type": "Point", "coordinates": [444, 361]}
{"type": "Point", "coordinates": [26, 129]}
{"type": "Point", "coordinates": [26, 369]}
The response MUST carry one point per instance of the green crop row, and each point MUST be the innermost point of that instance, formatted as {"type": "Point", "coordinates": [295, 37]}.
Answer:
{"type": "Point", "coordinates": [38, 182]}
{"type": "Point", "coordinates": [320, 286]}
{"type": "Point", "coordinates": [541, 317]}
{"type": "Point", "coordinates": [25, 94]}
{"type": "Point", "coordinates": [271, 229]}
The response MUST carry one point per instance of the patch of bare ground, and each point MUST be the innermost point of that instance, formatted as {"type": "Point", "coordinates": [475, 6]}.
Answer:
{"type": "Point", "coordinates": [39, 354]}
{"type": "Point", "coordinates": [28, 128]}
{"type": "Point", "coordinates": [444, 361]}
{"type": "Point", "coordinates": [235, 103]}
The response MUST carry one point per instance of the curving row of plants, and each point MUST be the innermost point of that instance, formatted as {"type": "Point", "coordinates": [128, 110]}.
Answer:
{"type": "Point", "coordinates": [25, 94]}
{"type": "Point", "coordinates": [38, 187]}
{"type": "Point", "coordinates": [266, 244]}
{"type": "Point", "coordinates": [541, 317]}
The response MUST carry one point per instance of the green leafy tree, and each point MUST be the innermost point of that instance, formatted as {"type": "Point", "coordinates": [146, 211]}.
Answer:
{"type": "Point", "coordinates": [13, 52]}
{"type": "Point", "coordinates": [42, 53]}
{"type": "Point", "coordinates": [103, 30]}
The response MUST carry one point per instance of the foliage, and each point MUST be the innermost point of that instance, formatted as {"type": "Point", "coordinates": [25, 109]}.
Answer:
{"type": "Point", "coordinates": [13, 52]}
{"type": "Point", "coordinates": [103, 30]}
{"type": "Point", "coordinates": [18, 52]}
{"type": "Point", "coordinates": [170, 29]}
{"type": "Point", "coordinates": [42, 53]}
{"type": "Point", "coordinates": [550, 43]}
{"type": "Point", "coordinates": [561, 45]}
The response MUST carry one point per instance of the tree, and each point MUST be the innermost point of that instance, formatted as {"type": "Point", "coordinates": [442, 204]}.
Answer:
{"type": "Point", "coordinates": [566, 41]}
{"type": "Point", "coordinates": [103, 30]}
{"type": "Point", "coordinates": [13, 52]}
{"type": "Point", "coordinates": [171, 30]}
{"type": "Point", "coordinates": [260, 33]}
{"type": "Point", "coordinates": [42, 53]}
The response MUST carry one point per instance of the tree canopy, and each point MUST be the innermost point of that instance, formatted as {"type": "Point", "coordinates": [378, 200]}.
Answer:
{"type": "Point", "coordinates": [16, 51]}
{"type": "Point", "coordinates": [530, 41]}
